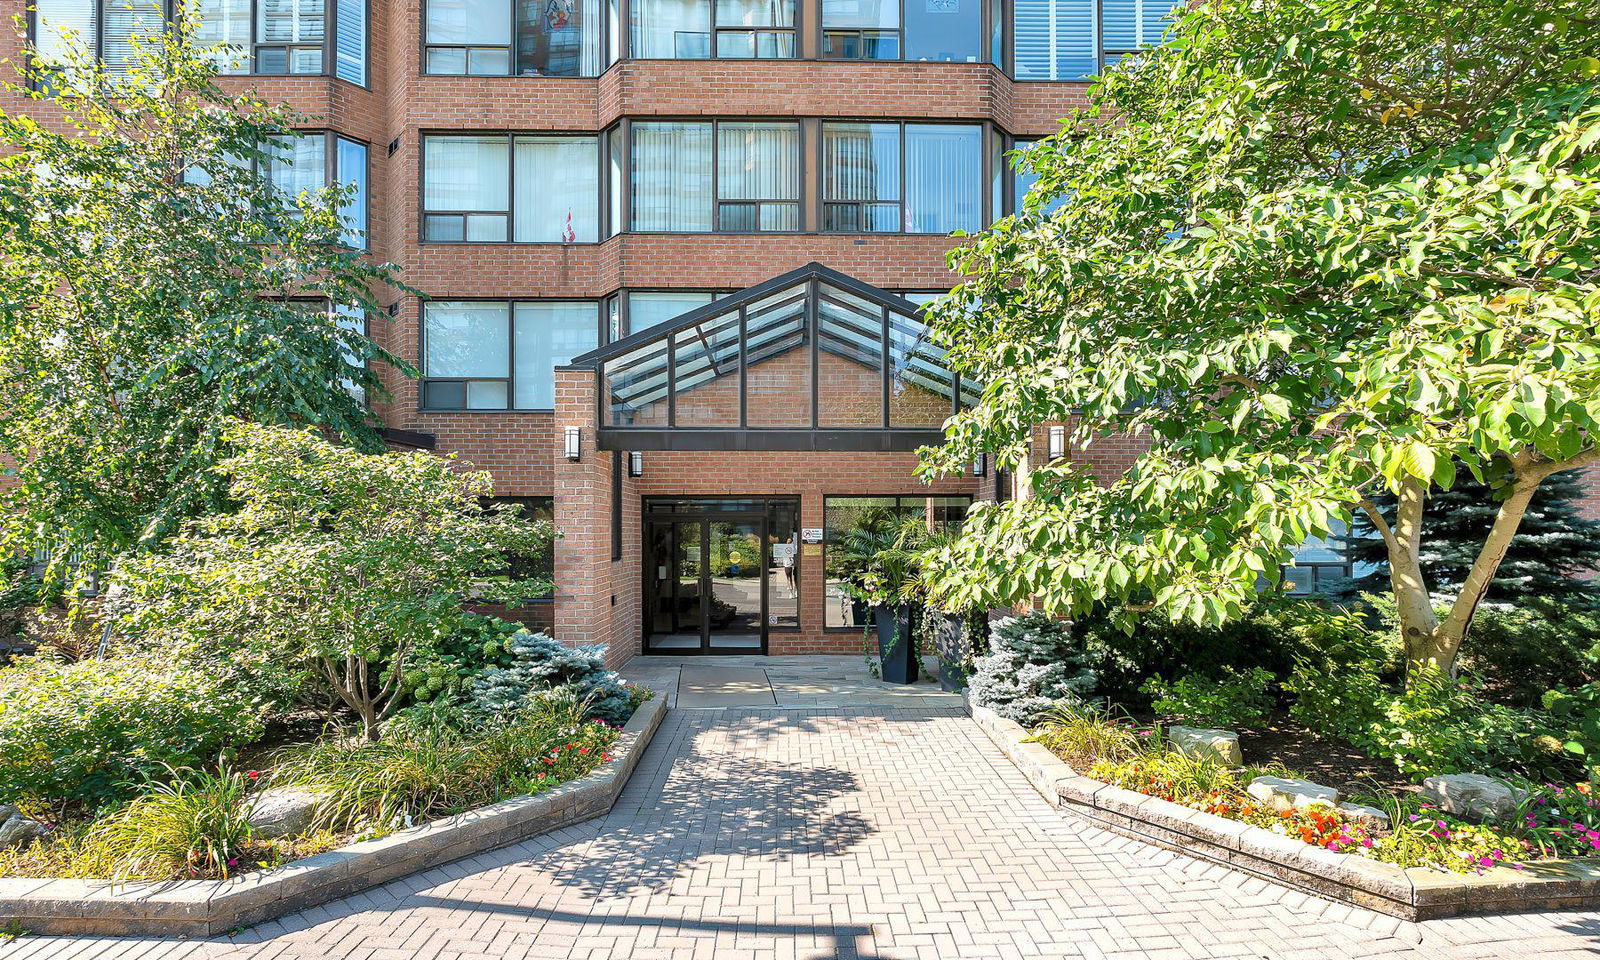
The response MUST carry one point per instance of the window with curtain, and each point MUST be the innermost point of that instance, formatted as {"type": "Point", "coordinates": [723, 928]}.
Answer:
{"type": "Point", "coordinates": [754, 29]}
{"type": "Point", "coordinates": [103, 28]}
{"type": "Point", "coordinates": [557, 189]}
{"type": "Point", "coordinates": [545, 336]}
{"type": "Point", "coordinates": [648, 309]}
{"type": "Point", "coordinates": [527, 188]}
{"type": "Point", "coordinates": [672, 176]}
{"type": "Point", "coordinates": [1054, 39]}
{"type": "Point", "coordinates": [671, 29]}
{"type": "Point", "coordinates": [1127, 25]}
{"type": "Point", "coordinates": [496, 355]}
{"type": "Point", "coordinates": [527, 38]}
{"type": "Point", "coordinates": [912, 178]}
{"type": "Point", "coordinates": [758, 176]}
{"type": "Point", "coordinates": [350, 41]}
{"type": "Point", "coordinates": [224, 32]}
{"type": "Point", "coordinates": [299, 164]}
{"type": "Point", "coordinates": [947, 31]}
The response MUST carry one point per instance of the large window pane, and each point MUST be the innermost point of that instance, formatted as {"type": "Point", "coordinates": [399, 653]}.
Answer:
{"type": "Point", "coordinates": [548, 335]}
{"type": "Point", "coordinates": [465, 186]}
{"type": "Point", "coordinates": [758, 176]}
{"type": "Point", "coordinates": [672, 176]}
{"type": "Point", "coordinates": [126, 19]}
{"type": "Point", "coordinates": [64, 24]}
{"type": "Point", "coordinates": [778, 380]}
{"type": "Point", "coordinates": [921, 387]}
{"type": "Point", "coordinates": [1127, 25]}
{"type": "Point", "coordinates": [944, 178]}
{"type": "Point", "coordinates": [850, 360]}
{"type": "Point", "coordinates": [224, 29]}
{"type": "Point", "coordinates": [352, 169]}
{"type": "Point", "coordinates": [671, 29]}
{"type": "Point", "coordinates": [350, 41]}
{"type": "Point", "coordinates": [861, 14]}
{"type": "Point", "coordinates": [289, 36]}
{"type": "Point", "coordinates": [950, 31]}
{"type": "Point", "coordinates": [558, 190]}
{"type": "Point", "coordinates": [646, 310]}
{"type": "Point", "coordinates": [855, 527]}
{"type": "Point", "coordinates": [1054, 39]}
{"type": "Point", "coordinates": [559, 38]}
{"type": "Point", "coordinates": [706, 368]}
{"type": "Point", "coordinates": [755, 28]}
{"type": "Point", "coordinates": [469, 22]}
{"type": "Point", "coordinates": [298, 164]}
{"type": "Point", "coordinates": [469, 344]}
{"type": "Point", "coordinates": [861, 176]}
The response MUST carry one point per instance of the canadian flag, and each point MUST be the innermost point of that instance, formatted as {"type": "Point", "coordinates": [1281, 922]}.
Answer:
{"type": "Point", "coordinates": [569, 235]}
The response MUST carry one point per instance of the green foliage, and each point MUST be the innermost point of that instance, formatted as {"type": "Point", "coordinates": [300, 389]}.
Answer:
{"type": "Point", "coordinates": [1312, 250]}
{"type": "Point", "coordinates": [1553, 543]}
{"type": "Point", "coordinates": [1169, 774]}
{"type": "Point", "coordinates": [336, 566]}
{"type": "Point", "coordinates": [415, 774]}
{"type": "Point", "coordinates": [153, 287]}
{"type": "Point", "coordinates": [92, 732]}
{"type": "Point", "coordinates": [540, 663]}
{"type": "Point", "coordinates": [445, 672]}
{"type": "Point", "coordinates": [1239, 699]}
{"type": "Point", "coordinates": [1084, 733]}
{"type": "Point", "coordinates": [194, 825]}
{"type": "Point", "coordinates": [1524, 650]}
{"type": "Point", "coordinates": [1034, 665]}
{"type": "Point", "coordinates": [1575, 718]}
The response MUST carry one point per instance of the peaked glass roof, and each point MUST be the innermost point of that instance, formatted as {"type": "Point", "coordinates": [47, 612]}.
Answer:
{"type": "Point", "coordinates": [812, 359]}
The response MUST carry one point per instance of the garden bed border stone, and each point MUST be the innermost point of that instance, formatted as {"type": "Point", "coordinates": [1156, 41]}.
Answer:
{"type": "Point", "coordinates": [1414, 893]}
{"type": "Point", "coordinates": [202, 908]}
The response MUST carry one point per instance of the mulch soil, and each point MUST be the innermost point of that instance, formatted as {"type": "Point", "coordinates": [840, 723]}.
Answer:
{"type": "Point", "coordinates": [1327, 760]}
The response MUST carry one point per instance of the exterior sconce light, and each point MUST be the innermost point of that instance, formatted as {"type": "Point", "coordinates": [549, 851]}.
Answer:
{"type": "Point", "coordinates": [574, 438]}
{"type": "Point", "coordinates": [1057, 445]}
{"type": "Point", "coordinates": [980, 465]}
{"type": "Point", "coordinates": [635, 464]}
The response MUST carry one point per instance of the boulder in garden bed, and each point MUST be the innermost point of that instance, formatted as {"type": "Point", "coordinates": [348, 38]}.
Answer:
{"type": "Point", "coordinates": [1202, 742]}
{"type": "Point", "coordinates": [1291, 793]}
{"type": "Point", "coordinates": [286, 811]}
{"type": "Point", "coordinates": [1473, 795]}
{"type": "Point", "coordinates": [1365, 815]}
{"type": "Point", "coordinates": [16, 830]}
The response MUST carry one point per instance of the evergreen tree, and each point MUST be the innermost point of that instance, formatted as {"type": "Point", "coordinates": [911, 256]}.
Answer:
{"type": "Point", "coordinates": [1553, 543]}
{"type": "Point", "coordinates": [1034, 665]}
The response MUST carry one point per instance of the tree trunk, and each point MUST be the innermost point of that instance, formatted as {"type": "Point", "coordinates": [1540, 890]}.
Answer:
{"type": "Point", "coordinates": [1419, 627]}
{"type": "Point", "coordinates": [1459, 621]}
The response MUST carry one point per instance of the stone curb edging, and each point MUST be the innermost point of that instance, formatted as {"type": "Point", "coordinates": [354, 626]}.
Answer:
{"type": "Point", "coordinates": [202, 908]}
{"type": "Point", "coordinates": [1414, 893]}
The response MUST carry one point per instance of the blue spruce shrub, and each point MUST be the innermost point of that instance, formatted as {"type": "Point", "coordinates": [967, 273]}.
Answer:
{"type": "Point", "coordinates": [1034, 665]}
{"type": "Point", "coordinates": [540, 664]}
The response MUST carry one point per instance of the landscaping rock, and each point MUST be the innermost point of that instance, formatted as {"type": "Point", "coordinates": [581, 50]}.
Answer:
{"type": "Point", "coordinates": [1199, 742]}
{"type": "Point", "coordinates": [1473, 795]}
{"type": "Point", "coordinates": [18, 830]}
{"type": "Point", "coordinates": [7, 811]}
{"type": "Point", "coordinates": [1365, 815]}
{"type": "Point", "coordinates": [1290, 793]}
{"type": "Point", "coordinates": [286, 811]}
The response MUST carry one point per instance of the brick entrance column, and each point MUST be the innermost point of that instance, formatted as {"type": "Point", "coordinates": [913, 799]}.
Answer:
{"type": "Point", "coordinates": [596, 596]}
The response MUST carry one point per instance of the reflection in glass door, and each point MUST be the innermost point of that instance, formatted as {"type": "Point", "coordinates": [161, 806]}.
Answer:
{"type": "Point", "coordinates": [734, 576]}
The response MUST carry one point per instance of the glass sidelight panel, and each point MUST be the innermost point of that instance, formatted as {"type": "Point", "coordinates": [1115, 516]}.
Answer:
{"type": "Point", "coordinates": [706, 373]}
{"type": "Point", "coordinates": [676, 622]}
{"type": "Point", "coordinates": [734, 582]}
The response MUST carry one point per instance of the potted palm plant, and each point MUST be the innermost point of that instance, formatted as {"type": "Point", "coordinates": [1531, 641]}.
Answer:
{"type": "Point", "coordinates": [890, 586]}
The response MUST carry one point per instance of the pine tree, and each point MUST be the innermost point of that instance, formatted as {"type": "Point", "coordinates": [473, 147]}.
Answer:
{"type": "Point", "coordinates": [1553, 546]}
{"type": "Point", "coordinates": [1034, 665]}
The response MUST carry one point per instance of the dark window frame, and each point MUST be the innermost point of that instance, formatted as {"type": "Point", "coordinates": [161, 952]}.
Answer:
{"type": "Point", "coordinates": [607, 55]}
{"type": "Point", "coordinates": [828, 539]}
{"type": "Point", "coordinates": [987, 11]}
{"type": "Point", "coordinates": [510, 380]}
{"type": "Point", "coordinates": [989, 133]}
{"type": "Point", "coordinates": [625, 19]}
{"type": "Point", "coordinates": [717, 201]}
{"type": "Point", "coordinates": [602, 196]}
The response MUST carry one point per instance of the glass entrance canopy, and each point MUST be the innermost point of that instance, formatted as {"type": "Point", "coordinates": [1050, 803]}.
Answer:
{"type": "Point", "coordinates": [812, 359]}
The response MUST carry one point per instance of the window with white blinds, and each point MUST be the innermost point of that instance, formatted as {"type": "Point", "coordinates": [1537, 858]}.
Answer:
{"type": "Point", "coordinates": [902, 178]}
{"type": "Point", "coordinates": [1066, 40]}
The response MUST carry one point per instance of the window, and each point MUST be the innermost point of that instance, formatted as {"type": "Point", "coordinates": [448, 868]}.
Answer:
{"type": "Point", "coordinates": [526, 188]}
{"type": "Point", "coordinates": [892, 177]}
{"type": "Point", "coordinates": [526, 38]}
{"type": "Point", "coordinates": [103, 28]}
{"type": "Point", "coordinates": [684, 29]}
{"type": "Point", "coordinates": [646, 310]}
{"type": "Point", "coordinates": [541, 565]}
{"type": "Point", "coordinates": [949, 31]}
{"type": "Point", "coordinates": [752, 184]}
{"type": "Point", "coordinates": [302, 164]}
{"type": "Point", "coordinates": [1023, 180]}
{"type": "Point", "coordinates": [1319, 565]}
{"type": "Point", "coordinates": [1074, 39]}
{"type": "Point", "coordinates": [855, 527]}
{"type": "Point", "coordinates": [495, 355]}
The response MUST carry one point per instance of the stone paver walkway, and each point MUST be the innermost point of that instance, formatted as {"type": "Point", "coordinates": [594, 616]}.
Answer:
{"type": "Point", "coordinates": [854, 832]}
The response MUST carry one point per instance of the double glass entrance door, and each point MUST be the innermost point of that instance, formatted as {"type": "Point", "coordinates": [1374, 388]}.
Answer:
{"type": "Point", "coordinates": [710, 571]}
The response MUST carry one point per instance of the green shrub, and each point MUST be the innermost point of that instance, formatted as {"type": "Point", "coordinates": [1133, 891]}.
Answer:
{"type": "Point", "coordinates": [1084, 733]}
{"type": "Point", "coordinates": [1239, 699]}
{"type": "Point", "coordinates": [1575, 723]}
{"type": "Point", "coordinates": [540, 663]}
{"type": "Point", "coordinates": [94, 731]}
{"type": "Point", "coordinates": [196, 825]}
{"type": "Point", "coordinates": [1035, 664]}
{"type": "Point", "coordinates": [1523, 651]}
{"type": "Point", "coordinates": [418, 773]}
{"type": "Point", "coordinates": [446, 671]}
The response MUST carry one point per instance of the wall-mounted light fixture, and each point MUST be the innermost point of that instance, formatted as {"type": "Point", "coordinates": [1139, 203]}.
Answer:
{"type": "Point", "coordinates": [1057, 445]}
{"type": "Point", "coordinates": [980, 465]}
{"type": "Point", "coordinates": [574, 437]}
{"type": "Point", "coordinates": [635, 464]}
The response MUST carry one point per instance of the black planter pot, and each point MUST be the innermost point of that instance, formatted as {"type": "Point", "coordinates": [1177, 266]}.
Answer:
{"type": "Point", "coordinates": [897, 645]}
{"type": "Point", "coordinates": [950, 637]}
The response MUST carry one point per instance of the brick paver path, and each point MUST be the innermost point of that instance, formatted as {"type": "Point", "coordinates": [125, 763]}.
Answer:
{"type": "Point", "coordinates": [876, 832]}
